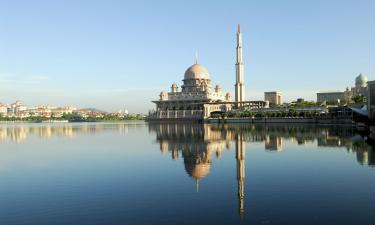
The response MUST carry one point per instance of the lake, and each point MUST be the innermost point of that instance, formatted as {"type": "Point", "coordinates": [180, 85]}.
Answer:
{"type": "Point", "coordinates": [139, 173]}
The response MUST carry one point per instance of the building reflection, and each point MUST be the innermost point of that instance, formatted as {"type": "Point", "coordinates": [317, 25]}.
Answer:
{"type": "Point", "coordinates": [196, 143]}
{"type": "Point", "coordinates": [18, 133]}
{"type": "Point", "coordinates": [365, 154]}
{"type": "Point", "coordinates": [199, 143]}
{"type": "Point", "coordinates": [240, 157]}
{"type": "Point", "coordinates": [273, 143]}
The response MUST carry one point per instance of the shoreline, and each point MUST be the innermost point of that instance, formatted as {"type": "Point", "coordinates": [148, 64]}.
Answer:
{"type": "Point", "coordinates": [323, 121]}
{"type": "Point", "coordinates": [66, 121]}
{"type": "Point", "coordinates": [264, 120]}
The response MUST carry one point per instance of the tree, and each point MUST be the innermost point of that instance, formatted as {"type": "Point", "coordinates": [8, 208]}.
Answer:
{"type": "Point", "coordinates": [359, 99]}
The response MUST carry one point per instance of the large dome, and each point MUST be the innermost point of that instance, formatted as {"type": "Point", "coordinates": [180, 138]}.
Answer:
{"type": "Point", "coordinates": [361, 80]}
{"type": "Point", "coordinates": [197, 171]}
{"type": "Point", "coordinates": [195, 72]}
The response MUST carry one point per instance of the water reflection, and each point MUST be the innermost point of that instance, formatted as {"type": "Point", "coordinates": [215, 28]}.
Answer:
{"type": "Point", "coordinates": [240, 157]}
{"type": "Point", "coordinates": [115, 177]}
{"type": "Point", "coordinates": [197, 143]}
{"type": "Point", "coordinates": [17, 133]}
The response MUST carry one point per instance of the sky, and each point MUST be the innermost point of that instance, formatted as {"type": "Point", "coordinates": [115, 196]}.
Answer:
{"type": "Point", "coordinates": [115, 55]}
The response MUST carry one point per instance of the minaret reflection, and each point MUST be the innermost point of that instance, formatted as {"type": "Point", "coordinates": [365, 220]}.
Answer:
{"type": "Point", "coordinates": [240, 157]}
{"type": "Point", "coordinates": [197, 144]}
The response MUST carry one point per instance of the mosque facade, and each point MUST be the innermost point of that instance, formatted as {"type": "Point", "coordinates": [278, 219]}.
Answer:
{"type": "Point", "coordinates": [196, 99]}
{"type": "Point", "coordinates": [360, 88]}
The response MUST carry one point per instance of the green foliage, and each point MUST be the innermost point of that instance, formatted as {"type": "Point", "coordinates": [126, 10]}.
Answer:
{"type": "Point", "coordinates": [307, 104]}
{"type": "Point", "coordinates": [359, 99]}
{"type": "Point", "coordinates": [75, 117]}
{"type": "Point", "coordinates": [292, 112]}
{"type": "Point", "coordinates": [216, 115]}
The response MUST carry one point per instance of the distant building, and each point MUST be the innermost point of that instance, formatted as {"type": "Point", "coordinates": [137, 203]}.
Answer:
{"type": "Point", "coordinates": [371, 101]}
{"type": "Point", "coordinates": [60, 111]}
{"type": "Point", "coordinates": [50, 111]}
{"type": "Point", "coordinates": [360, 89]}
{"type": "Point", "coordinates": [123, 112]}
{"type": "Point", "coordinates": [3, 109]}
{"type": "Point", "coordinates": [17, 107]}
{"type": "Point", "coordinates": [300, 100]}
{"type": "Point", "coordinates": [273, 97]}
{"type": "Point", "coordinates": [335, 96]}
{"type": "Point", "coordinates": [43, 111]}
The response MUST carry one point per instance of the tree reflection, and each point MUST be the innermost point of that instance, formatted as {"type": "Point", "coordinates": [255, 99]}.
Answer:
{"type": "Point", "coordinates": [18, 133]}
{"type": "Point", "coordinates": [197, 143]}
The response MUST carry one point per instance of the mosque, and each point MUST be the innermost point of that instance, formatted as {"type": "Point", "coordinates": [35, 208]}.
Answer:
{"type": "Point", "coordinates": [197, 99]}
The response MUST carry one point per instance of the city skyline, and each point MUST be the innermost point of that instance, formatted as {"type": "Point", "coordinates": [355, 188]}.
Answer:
{"type": "Point", "coordinates": [120, 55]}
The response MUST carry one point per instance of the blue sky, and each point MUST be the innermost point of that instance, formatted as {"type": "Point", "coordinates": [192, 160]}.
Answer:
{"type": "Point", "coordinates": [121, 54]}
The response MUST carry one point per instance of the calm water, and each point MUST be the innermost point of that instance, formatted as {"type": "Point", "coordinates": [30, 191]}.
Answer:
{"type": "Point", "coordinates": [184, 174]}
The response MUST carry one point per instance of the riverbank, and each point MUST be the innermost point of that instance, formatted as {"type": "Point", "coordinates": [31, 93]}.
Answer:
{"type": "Point", "coordinates": [66, 121]}
{"type": "Point", "coordinates": [332, 121]}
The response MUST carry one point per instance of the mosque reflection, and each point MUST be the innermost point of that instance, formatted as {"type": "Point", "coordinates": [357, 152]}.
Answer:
{"type": "Point", "coordinates": [197, 144]}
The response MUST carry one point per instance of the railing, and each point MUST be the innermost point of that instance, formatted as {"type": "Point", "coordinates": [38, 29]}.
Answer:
{"type": "Point", "coordinates": [176, 114]}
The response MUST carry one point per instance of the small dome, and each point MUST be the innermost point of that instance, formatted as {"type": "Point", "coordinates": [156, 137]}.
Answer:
{"type": "Point", "coordinates": [163, 96]}
{"type": "Point", "coordinates": [361, 80]}
{"type": "Point", "coordinates": [195, 72]}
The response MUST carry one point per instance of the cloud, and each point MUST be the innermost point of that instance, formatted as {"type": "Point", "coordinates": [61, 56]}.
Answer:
{"type": "Point", "coordinates": [19, 79]}
{"type": "Point", "coordinates": [7, 78]}
{"type": "Point", "coordinates": [123, 90]}
{"type": "Point", "coordinates": [38, 78]}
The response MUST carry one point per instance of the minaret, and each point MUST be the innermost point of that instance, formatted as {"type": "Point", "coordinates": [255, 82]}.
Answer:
{"type": "Point", "coordinates": [240, 157]}
{"type": "Point", "coordinates": [240, 85]}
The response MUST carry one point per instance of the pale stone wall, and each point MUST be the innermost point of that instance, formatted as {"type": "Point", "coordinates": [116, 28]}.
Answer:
{"type": "Point", "coordinates": [330, 96]}
{"type": "Point", "coordinates": [273, 97]}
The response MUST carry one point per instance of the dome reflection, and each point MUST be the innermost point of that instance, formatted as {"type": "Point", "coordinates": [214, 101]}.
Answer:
{"type": "Point", "coordinates": [198, 143]}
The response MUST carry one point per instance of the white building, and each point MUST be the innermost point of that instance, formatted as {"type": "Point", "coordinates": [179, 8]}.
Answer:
{"type": "Point", "coordinates": [240, 82]}
{"type": "Point", "coordinates": [50, 111]}
{"type": "Point", "coordinates": [17, 107]}
{"type": "Point", "coordinates": [3, 109]}
{"type": "Point", "coordinates": [360, 88]}
{"type": "Point", "coordinates": [332, 96]}
{"type": "Point", "coordinates": [197, 98]}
